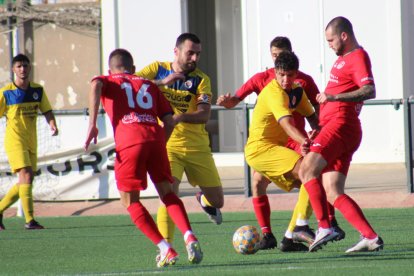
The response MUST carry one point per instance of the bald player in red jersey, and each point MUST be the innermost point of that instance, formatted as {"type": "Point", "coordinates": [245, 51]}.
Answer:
{"type": "Point", "coordinates": [298, 230]}
{"type": "Point", "coordinates": [325, 167]}
{"type": "Point", "coordinates": [133, 106]}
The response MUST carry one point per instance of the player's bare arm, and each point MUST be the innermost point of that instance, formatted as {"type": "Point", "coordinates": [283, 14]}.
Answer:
{"type": "Point", "coordinates": [366, 92]}
{"type": "Point", "coordinates": [316, 107]}
{"type": "Point", "coordinates": [228, 101]}
{"type": "Point", "coordinates": [288, 125]}
{"type": "Point", "coordinates": [94, 99]}
{"type": "Point", "coordinates": [200, 116]}
{"type": "Point", "coordinates": [169, 125]}
{"type": "Point", "coordinates": [50, 119]}
{"type": "Point", "coordinates": [170, 79]}
{"type": "Point", "coordinates": [313, 121]}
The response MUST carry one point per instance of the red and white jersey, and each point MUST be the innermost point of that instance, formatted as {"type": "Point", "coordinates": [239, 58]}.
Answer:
{"type": "Point", "coordinates": [260, 80]}
{"type": "Point", "coordinates": [133, 105]}
{"type": "Point", "coordinates": [349, 73]}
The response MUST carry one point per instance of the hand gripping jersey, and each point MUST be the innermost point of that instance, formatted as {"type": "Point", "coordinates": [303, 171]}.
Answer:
{"type": "Point", "coordinates": [349, 73]}
{"type": "Point", "coordinates": [273, 103]}
{"type": "Point", "coordinates": [184, 96]}
{"type": "Point", "coordinates": [260, 80]}
{"type": "Point", "coordinates": [135, 112]}
{"type": "Point", "coordinates": [21, 108]}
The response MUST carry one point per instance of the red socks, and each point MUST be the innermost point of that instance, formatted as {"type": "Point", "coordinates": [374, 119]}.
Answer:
{"type": "Point", "coordinates": [354, 215]}
{"type": "Point", "coordinates": [144, 222]}
{"type": "Point", "coordinates": [262, 210]}
{"type": "Point", "coordinates": [317, 197]}
{"type": "Point", "coordinates": [177, 212]}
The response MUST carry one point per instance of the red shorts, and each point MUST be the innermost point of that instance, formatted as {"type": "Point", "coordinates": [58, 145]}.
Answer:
{"type": "Point", "coordinates": [133, 163]}
{"type": "Point", "coordinates": [337, 142]}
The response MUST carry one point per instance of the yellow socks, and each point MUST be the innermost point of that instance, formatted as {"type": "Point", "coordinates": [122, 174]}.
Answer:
{"type": "Point", "coordinates": [165, 224]}
{"type": "Point", "coordinates": [205, 201]}
{"type": "Point", "coordinates": [11, 197]}
{"type": "Point", "coordinates": [26, 198]}
{"type": "Point", "coordinates": [302, 211]}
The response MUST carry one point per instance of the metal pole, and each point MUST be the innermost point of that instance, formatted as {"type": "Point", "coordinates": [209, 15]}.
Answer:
{"type": "Point", "coordinates": [9, 25]}
{"type": "Point", "coordinates": [247, 174]}
{"type": "Point", "coordinates": [408, 144]}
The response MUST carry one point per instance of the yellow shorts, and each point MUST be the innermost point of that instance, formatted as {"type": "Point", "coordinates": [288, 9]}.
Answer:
{"type": "Point", "coordinates": [22, 158]}
{"type": "Point", "coordinates": [198, 166]}
{"type": "Point", "coordinates": [272, 161]}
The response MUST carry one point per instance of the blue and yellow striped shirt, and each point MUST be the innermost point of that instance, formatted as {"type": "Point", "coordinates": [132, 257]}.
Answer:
{"type": "Point", "coordinates": [21, 108]}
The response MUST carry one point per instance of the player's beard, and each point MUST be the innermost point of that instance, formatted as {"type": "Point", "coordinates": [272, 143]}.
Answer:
{"type": "Point", "coordinates": [189, 66]}
{"type": "Point", "coordinates": [341, 50]}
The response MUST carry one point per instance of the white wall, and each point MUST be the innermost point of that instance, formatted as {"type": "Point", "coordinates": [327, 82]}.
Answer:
{"type": "Point", "coordinates": [146, 28]}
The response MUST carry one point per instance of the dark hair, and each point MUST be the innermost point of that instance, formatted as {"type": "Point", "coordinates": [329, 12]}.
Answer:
{"type": "Point", "coordinates": [281, 42]}
{"type": "Point", "coordinates": [340, 24]}
{"type": "Point", "coordinates": [20, 58]}
{"type": "Point", "coordinates": [125, 56]}
{"type": "Point", "coordinates": [187, 36]}
{"type": "Point", "coordinates": [287, 61]}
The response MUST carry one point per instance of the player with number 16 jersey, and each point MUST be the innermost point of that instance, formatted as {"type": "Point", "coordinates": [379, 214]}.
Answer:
{"type": "Point", "coordinates": [134, 117]}
{"type": "Point", "coordinates": [134, 114]}
{"type": "Point", "coordinates": [134, 106]}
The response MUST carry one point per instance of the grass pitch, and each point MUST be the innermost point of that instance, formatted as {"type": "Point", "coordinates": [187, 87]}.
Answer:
{"type": "Point", "coordinates": [111, 245]}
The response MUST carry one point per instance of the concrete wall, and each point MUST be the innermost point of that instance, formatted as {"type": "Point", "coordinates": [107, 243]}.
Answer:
{"type": "Point", "coordinates": [4, 55]}
{"type": "Point", "coordinates": [64, 59]}
{"type": "Point", "coordinates": [64, 62]}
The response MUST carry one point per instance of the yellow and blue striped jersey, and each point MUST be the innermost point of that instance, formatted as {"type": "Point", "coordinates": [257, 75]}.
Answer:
{"type": "Point", "coordinates": [21, 108]}
{"type": "Point", "coordinates": [184, 96]}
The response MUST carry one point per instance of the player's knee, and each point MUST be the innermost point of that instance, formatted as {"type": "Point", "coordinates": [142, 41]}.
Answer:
{"type": "Point", "coordinates": [307, 171]}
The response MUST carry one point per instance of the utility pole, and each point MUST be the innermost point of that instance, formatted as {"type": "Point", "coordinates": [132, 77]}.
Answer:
{"type": "Point", "coordinates": [24, 35]}
{"type": "Point", "coordinates": [9, 26]}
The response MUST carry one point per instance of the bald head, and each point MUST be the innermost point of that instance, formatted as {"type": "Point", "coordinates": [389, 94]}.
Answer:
{"type": "Point", "coordinates": [121, 61]}
{"type": "Point", "coordinates": [340, 36]}
{"type": "Point", "coordinates": [339, 25]}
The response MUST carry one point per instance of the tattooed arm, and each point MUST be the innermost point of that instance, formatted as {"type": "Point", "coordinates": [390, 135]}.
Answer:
{"type": "Point", "coordinates": [366, 92]}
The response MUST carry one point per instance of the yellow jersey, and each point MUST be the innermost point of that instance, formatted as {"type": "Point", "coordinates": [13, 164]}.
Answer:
{"type": "Point", "coordinates": [184, 96]}
{"type": "Point", "coordinates": [273, 103]}
{"type": "Point", "coordinates": [21, 108]}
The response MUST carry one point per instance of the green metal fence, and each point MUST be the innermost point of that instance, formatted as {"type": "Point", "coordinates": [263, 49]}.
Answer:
{"type": "Point", "coordinates": [396, 103]}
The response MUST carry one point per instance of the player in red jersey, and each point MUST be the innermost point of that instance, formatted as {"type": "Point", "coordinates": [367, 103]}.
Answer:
{"type": "Point", "coordinates": [133, 106]}
{"type": "Point", "coordinates": [326, 166]}
{"type": "Point", "coordinates": [298, 230]}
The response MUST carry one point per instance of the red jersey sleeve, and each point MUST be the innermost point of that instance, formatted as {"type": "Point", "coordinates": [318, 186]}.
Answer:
{"type": "Point", "coordinates": [362, 73]}
{"type": "Point", "coordinates": [255, 84]}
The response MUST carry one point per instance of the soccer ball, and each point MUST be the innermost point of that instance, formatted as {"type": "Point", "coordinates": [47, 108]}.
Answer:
{"type": "Point", "coordinates": [246, 240]}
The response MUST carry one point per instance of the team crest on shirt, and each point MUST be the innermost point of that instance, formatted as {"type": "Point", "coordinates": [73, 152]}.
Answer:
{"type": "Point", "coordinates": [204, 98]}
{"type": "Point", "coordinates": [188, 84]}
{"type": "Point", "coordinates": [340, 65]}
{"type": "Point", "coordinates": [294, 99]}
{"type": "Point", "coordinates": [35, 96]}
